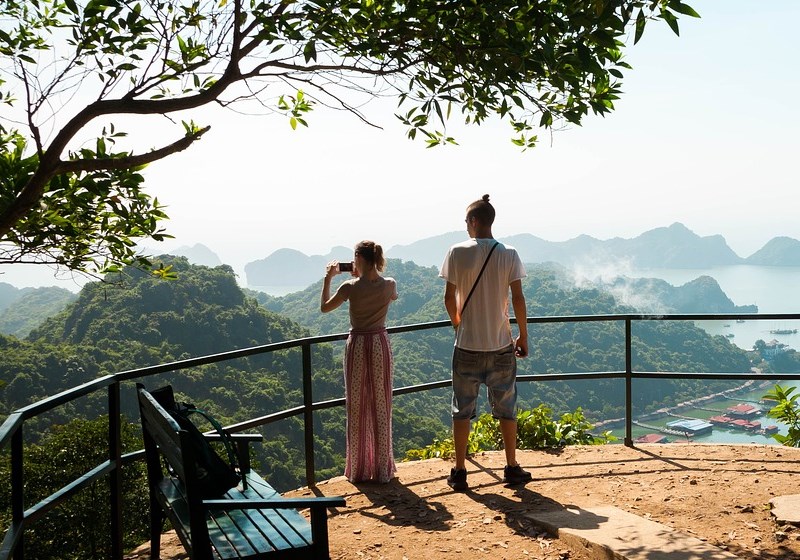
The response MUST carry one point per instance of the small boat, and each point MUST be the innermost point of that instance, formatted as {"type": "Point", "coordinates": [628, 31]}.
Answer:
{"type": "Point", "coordinates": [783, 331]}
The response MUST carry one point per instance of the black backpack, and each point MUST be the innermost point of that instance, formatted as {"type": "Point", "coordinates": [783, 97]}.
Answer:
{"type": "Point", "coordinates": [215, 476]}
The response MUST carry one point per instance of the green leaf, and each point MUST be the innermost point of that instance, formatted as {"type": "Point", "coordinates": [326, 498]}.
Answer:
{"type": "Point", "coordinates": [641, 21]}
{"type": "Point", "coordinates": [681, 8]}
{"type": "Point", "coordinates": [672, 21]}
{"type": "Point", "coordinates": [310, 51]}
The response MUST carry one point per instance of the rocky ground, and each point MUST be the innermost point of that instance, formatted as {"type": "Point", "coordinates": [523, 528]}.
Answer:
{"type": "Point", "coordinates": [718, 493]}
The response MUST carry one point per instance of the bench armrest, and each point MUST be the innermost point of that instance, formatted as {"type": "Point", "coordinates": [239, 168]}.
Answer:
{"type": "Point", "coordinates": [277, 503]}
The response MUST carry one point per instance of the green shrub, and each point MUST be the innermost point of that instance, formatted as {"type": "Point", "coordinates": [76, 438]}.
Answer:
{"type": "Point", "coordinates": [536, 429]}
{"type": "Point", "coordinates": [786, 410]}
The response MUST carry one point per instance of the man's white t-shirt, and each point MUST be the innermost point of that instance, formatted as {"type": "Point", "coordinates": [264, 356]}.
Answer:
{"type": "Point", "coordinates": [484, 324]}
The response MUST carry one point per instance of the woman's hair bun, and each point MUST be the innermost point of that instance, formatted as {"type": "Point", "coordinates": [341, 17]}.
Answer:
{"type": "Point", "coordinates": [486, 198]}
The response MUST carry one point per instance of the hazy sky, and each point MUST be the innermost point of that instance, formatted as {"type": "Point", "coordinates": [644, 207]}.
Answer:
{"type": "Point", "coordinates": [705, 134]}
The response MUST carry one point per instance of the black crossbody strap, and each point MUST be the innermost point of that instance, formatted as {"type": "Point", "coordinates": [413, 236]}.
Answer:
{"type": "Point", "coordinates": [466, 301]}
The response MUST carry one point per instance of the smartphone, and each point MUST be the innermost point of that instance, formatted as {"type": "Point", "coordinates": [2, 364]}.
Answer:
{"type": "Point", "coordinates": [345, 267]}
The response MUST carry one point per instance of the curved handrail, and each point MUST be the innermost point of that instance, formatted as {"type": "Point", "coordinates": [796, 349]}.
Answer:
{"type": "Point", "coordinates": [11, 431]}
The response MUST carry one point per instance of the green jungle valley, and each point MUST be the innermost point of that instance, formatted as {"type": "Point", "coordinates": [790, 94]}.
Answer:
{"type": "Point", "coordinates": [135, 320]}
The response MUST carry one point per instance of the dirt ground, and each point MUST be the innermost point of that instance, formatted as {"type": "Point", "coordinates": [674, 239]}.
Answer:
{"type": "Point", "coordinates": [718, 493]}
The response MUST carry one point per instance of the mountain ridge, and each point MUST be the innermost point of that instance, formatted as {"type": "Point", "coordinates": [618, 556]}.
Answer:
{"type": "Point", "coordinates": [675, 246]}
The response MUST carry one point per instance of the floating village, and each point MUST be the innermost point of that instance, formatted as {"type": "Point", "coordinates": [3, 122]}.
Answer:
{"type": "Point", "coordinates": [742, 417]}
{"type": "Point", "coordinates": [739, 414]}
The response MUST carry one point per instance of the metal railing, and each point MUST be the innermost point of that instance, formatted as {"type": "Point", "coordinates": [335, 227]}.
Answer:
{"type": "Point", "coordinates": [12, 430]}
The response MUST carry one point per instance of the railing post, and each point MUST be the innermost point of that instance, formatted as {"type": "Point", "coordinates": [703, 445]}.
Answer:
{"type": "Point", "coordinates": [308, 416]}
{"type": "Point", "coordinates": [115, 478]}
{"type": "Point", "coordinates": [17, 490]}
{"type": "Point", "coordinates": [628, 385]}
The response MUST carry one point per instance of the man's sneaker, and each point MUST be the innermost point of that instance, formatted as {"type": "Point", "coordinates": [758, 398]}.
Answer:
{"type": "Point", "coordinates": [458, 480]}
{"type": "Point", "coordinates": [515, 475]}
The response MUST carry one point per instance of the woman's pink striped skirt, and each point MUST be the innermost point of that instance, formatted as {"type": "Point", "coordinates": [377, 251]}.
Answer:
{"type": "Point", "coordinates": [368, 393]}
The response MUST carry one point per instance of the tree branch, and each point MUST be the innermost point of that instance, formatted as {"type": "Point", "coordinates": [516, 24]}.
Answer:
{"type": "Point", "coordinates": [50, 160]}
{"type": "Point", "coordinates": [78, 165]}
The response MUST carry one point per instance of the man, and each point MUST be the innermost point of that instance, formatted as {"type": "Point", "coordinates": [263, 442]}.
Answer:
{"type": "Point", "coordinates": [485, 352]}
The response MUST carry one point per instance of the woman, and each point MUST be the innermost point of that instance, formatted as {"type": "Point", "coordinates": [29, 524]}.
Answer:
{"type": "Point", "coordinates": [367, 363]}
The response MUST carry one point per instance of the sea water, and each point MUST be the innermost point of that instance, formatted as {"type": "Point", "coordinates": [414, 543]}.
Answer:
{"type": "Point", "coordinates": [774, 289]}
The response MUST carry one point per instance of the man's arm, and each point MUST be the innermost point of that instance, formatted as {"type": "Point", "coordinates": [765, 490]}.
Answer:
{"type": "Point", "coordinates": [451, 305]}
{"type": "Point", "coordinates": [521, 313]}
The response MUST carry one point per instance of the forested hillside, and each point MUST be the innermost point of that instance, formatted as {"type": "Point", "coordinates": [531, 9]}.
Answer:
{"type": "Point", "coordinates": [147, 321]}
{"type": "Point", "coordinates": [23, 309]}
{"type": "Point", "coordinates": [150, 321]}
{"type": "Point", "coordinates": [571, 348]}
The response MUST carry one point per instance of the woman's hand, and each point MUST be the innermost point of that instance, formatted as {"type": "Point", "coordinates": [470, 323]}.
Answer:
{"type": "Point", "coordinates": [332, 269]}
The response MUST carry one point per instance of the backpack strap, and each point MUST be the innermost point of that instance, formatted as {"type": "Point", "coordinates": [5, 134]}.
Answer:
{"type": "Point", "coordinates": [224, 436]}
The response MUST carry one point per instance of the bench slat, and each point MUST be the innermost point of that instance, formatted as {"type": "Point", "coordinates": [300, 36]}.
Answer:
{"type": "Point", "coordinates": [262, 529]}
{"type": "Point", "coordinates": [175, 496]}
{"type": "Point", "coordinates": [276, 527]}
{"type": "Point", "coordinates": [226, 537]}
{"type": "Point", "coordinates": [246, 538]}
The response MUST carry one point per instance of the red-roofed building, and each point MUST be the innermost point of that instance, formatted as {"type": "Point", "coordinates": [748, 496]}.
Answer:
{"type": "Point", "coordinates": [746, 424]}
{"type": "Point", "coordinates": [743, 410]}
{"type": "Point", "coordinates": [721, 419]}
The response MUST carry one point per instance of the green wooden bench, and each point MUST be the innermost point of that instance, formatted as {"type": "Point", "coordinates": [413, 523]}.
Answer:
{"type": "Point", "coordinates": [251, 521]}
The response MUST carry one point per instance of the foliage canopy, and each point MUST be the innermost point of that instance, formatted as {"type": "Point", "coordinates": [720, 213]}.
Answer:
{"type": "Point", "coordinates": [71, 189]}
